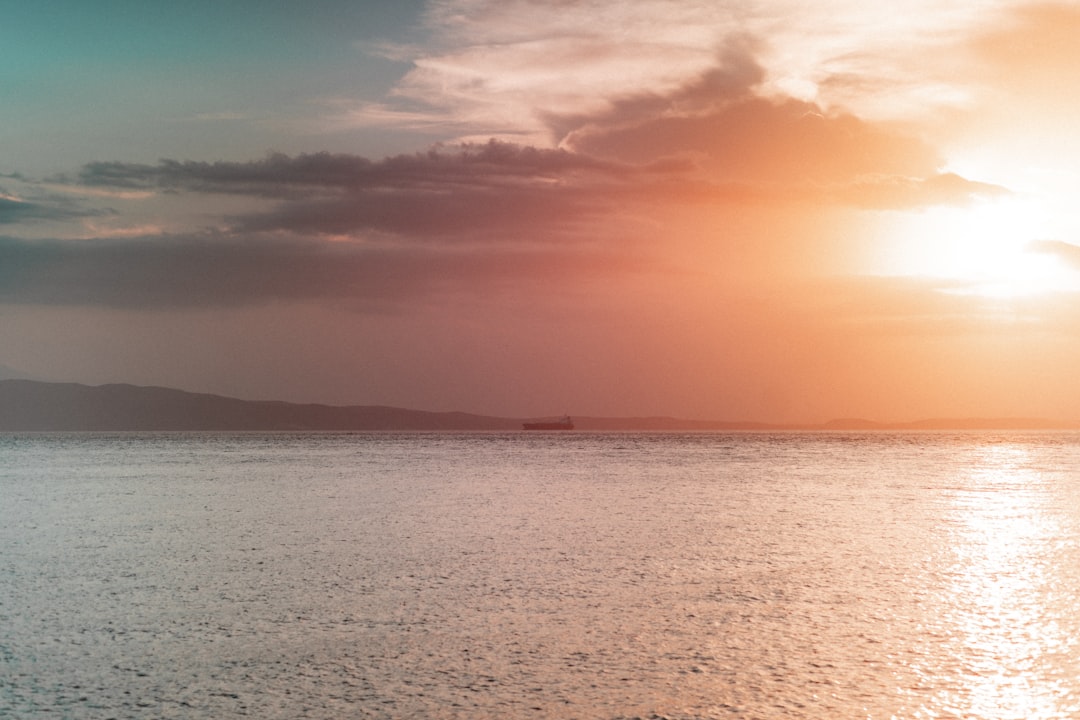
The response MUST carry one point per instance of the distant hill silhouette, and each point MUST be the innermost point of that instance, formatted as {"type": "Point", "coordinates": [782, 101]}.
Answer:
{"type": "Point", "coordinates": [28, 405]}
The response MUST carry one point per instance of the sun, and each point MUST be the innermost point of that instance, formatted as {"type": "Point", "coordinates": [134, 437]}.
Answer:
{"type": "Point", "coordinates": [986, 249]}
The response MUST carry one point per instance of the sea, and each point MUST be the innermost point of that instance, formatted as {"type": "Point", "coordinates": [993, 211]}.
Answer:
{"type": "Point", "coordinates": [540, 575]}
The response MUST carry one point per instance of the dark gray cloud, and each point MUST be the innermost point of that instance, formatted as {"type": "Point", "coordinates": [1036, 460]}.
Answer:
{"type": "Point", "coordinates": [12, 211]}
{"type": "Point", "coordinates": [470, 213]}
{"type": "Point", "coordinates": [492, 163]}
{"type": "Point", "coordinates": [16, 210]}
{"type": "Point", "coordinates": [474, 190]}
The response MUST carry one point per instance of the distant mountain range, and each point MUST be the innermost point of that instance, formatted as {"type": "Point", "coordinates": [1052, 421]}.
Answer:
{"type": "Point", "coordinates": [27, 405]}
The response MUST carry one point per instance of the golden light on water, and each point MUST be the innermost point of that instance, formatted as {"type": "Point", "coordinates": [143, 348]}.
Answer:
{"type": "Point", "coordinates": [1000, 627]}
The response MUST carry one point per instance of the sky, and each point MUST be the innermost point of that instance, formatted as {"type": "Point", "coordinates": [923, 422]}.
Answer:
{"type": "Point", "coordinates": [730, 210]}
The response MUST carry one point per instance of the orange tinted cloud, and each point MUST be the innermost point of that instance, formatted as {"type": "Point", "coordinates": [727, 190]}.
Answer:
{"type": "Point", "coordinates": [1034, 51]}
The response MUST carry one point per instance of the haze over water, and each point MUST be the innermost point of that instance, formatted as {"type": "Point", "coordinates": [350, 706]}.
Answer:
{"type": "Point", "coordinates": [541, 575]}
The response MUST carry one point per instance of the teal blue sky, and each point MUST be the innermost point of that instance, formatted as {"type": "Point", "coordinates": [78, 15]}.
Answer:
{"type": "Point", "coordinates": [138, 81]}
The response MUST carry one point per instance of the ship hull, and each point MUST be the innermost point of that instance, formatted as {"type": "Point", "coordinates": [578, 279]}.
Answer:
{"type": "Point", "coordinates": [561, 425]}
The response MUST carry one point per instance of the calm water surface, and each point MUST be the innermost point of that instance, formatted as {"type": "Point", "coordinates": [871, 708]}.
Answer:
{"type": "Point", "coordinates": [862, 575]}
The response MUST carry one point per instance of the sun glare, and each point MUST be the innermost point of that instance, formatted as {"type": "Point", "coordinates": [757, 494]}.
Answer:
{"type": "Point", "coordinates": [985, 249]}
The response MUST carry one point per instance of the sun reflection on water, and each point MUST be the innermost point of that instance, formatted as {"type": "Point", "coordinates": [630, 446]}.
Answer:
{"type": "Point", "coordinates": [1001, 631]}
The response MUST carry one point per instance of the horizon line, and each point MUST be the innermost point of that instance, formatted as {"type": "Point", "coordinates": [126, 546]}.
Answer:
{"type": "Point", "coordinates": [648, 422]}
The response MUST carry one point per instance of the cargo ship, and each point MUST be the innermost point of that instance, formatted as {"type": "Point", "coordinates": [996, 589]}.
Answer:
{"type": "Point", "coordinates": [565, 423]}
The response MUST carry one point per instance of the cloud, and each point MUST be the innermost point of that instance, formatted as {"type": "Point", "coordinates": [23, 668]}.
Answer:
{"type": "Point", "coordinates": [280, 175]}
{"type": "Point", "coordinates": [1021, 69]}
{"type": "Point", "coordinates": [474, 191]}
{"type": "Point", "coordinates": [476, 214]}
{"type": "Point", "coordinates": [505, 67]}
{"type": "Point", "coordinates": [900, 192]}
{"type": "Point", "coordinates": [869, 60]}
{"type": "Point", "coordinates": [747, 147]}
{"type": "Point", "coordinates": [342, 228]}
{"type": "Point", "coordinates": [711, 125]}
{"type": "Point", "coordinates": [15, 209]}
{"type": "Point", "coordinates": [757, 140]}
{"type": "Point", "coordinates": [709, 140]}
{"type": "Point", "coordinates": [497, 215]}
{"type": "Point", "coordinates": [1032, 49]}
{"type": "Point", "coordinates": [1066, 252]}
{"type": "Point", "coordinates": [498, 68]}
{"type": "Point", "coordinates": [469, 189]}
{"type": "Point", "coordinates": [732, 77]}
